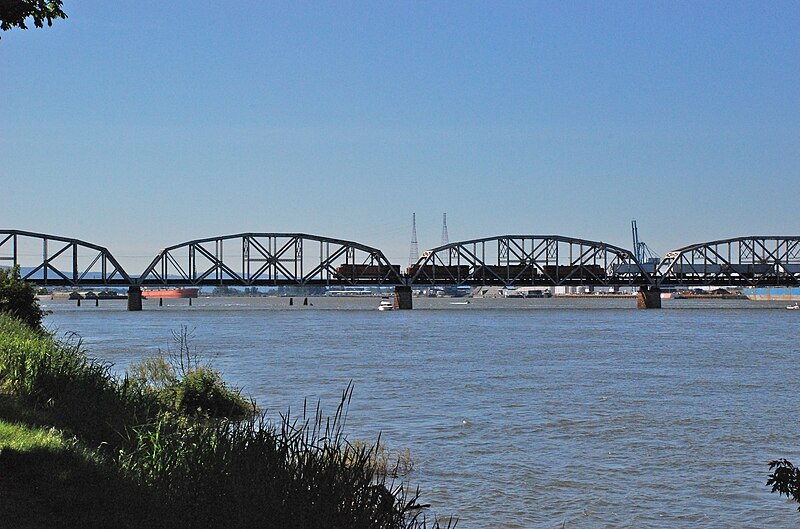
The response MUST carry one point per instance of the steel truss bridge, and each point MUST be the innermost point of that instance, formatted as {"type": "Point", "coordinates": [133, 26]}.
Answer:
{"type": "Point", "coordinates": [279, 259]}
{"type": "Point", "coordinates": [742, 261]}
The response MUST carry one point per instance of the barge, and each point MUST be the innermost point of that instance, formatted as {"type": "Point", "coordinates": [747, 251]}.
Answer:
{"type": "Point", "coordinates": [171, 293]}
{"type": "Point", "coordinates": [772, 293]}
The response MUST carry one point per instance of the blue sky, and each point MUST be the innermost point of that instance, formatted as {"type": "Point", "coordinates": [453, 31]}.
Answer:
{"type": "Point", "coordinates": [141, 125]}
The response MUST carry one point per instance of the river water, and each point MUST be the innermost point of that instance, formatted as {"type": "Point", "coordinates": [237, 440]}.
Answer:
{"type": "Point", "coordinates": [575, 413]}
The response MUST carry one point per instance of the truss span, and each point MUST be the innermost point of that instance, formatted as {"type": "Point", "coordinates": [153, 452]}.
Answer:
{"type": "Point", "coordinates": [270, 259]}
{"type": "Point", "coordinates": [535, 260]}
{"type": "Point", "coordinates": [51, 260]}
{"type": "Point", "coordinates": [743, 261]}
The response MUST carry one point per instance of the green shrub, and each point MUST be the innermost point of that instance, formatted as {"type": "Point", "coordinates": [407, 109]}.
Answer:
{"type": "Point", "coordinates": [202, 392]}
{"type": "Point", "coordinates": [185, 386]}
{"type": "Point", "coordinates": [18, 298]}
{"type": "Point", "coordinates": [154, 372]}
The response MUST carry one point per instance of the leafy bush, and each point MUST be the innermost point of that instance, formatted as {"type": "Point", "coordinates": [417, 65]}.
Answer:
{"type": "Point", "coordinates": [18, 298]}
{"type": "Point", "coordinates": [202, 392]}
{"type": "Point", "coordinates": [185, 386]}
{"type": "Point", "coordinates": [154, 372]}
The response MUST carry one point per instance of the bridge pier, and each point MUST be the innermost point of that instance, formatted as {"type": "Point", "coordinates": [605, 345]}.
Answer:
{"type": "Point", "coordinates": [402, 298]}
{"type": "Point", "coordinates": [649, 297]}
{"type": "Point", "coordinates": [134, 298]}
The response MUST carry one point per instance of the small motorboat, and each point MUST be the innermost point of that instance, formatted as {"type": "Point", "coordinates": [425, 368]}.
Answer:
{"type": "Point", "coordinates": [793, 307]}
{"type": "Point", "coordinates": [386, 304]}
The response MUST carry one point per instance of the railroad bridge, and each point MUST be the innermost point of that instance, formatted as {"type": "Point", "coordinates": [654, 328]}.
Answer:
{"type": "Point", "coordinates": [276, 259]}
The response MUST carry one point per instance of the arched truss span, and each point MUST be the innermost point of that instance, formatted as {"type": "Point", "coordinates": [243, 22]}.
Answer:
{"type": "Point", "coordinates": [757, 260]}
{"type": "Point", "coordinates": [264, 259]}
{"type": "Point", "coordinates": [536, 260]}
{"type": "Point", "coordinates": [50, 260]}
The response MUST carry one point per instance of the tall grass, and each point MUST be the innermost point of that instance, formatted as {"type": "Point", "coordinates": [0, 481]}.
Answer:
{"type": "Point", "coordinates": [208, 469]}
{"type": "Point", "coordinates": [60, 382]}
{"type": "Point", "coordinates": [300, 473]}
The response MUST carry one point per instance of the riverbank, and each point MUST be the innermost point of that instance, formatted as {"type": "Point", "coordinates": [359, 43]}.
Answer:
{"type": "Point", "coordinates": [49, 479]}
{"type": "Point", "coordinates": [167, 447]}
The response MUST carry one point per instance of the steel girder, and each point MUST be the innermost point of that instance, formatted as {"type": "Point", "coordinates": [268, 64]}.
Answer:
{"type": "Point", "coordinates": [269, 259]}
{"type": "Point", "coordinates": [536, 260]}
{"type": "Point", "coordinates": [743, 261]}
{"type": "Point", "coordinates": [260, 259]}
{"type": "Point", "coordinates": [50, 260]}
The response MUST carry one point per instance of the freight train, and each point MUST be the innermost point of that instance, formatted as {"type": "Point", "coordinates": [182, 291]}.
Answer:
{"type": "Point", "coordinates": [439, 272]}
{"type": "Point", "coordinates": [504, 272]}
{"type": "Point", "coordinates": [355, 271]}
{"type": "Point", "coordinates": [519, 272]}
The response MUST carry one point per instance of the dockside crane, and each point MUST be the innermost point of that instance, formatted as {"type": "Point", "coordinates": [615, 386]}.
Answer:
{"type": "Point", "coordinates": [642, 252]}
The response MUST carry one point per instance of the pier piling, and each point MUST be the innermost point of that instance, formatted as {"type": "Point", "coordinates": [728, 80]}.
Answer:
{"type": "Point", "coordinates": [649, 297]}
{"type": "Point", "coordinates": [402, 298]}
{"type": "Point", "coordinates": [134, 298]}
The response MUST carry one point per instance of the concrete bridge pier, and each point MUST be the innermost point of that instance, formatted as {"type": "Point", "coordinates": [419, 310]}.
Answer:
{"type": "Point", "coordinates": [134, 298]}
{"type": "Point", "coordinates": [649, 297]}
{"type": "Point", "coordinates": [402, 298]}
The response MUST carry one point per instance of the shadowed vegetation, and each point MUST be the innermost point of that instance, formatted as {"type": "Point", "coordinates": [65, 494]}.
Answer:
{"type": "Point", "coordinates": [50, 480]}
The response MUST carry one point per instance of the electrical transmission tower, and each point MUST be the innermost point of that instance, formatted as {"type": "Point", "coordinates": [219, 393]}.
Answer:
{"type": "Point", "coordinates": [413, 256]}
{"type": "Point", "coordinates": [445, 237]}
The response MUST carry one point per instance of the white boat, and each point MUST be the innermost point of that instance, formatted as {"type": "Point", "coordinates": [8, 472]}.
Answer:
{"type": "Point", "coordinates": [793, 307]}
{"type": "Point", "coordinates": [386, 304]}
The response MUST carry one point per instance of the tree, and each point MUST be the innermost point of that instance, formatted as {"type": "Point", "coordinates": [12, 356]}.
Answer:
{"type": "Point", "coordinates": [13, 13]}
{"type": "Point", "coordinates": [785, 479]}
{"type": "Point", "coordinates": [18, 298]}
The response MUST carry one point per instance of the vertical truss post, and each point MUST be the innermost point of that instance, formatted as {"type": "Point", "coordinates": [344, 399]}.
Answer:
{"type": "Point", "coordinates": [299, 269]}
{"type": "Point", "coordinates": [219, 257]}
{"type": "Point", "coordinates": [46, 264]}
{"type": "Point", "coordinates": [246, 259]}
{"type": "Point", "coordinates": [75, 263]}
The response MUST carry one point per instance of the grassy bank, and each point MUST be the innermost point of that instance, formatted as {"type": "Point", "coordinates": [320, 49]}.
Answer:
{"type": "Point", "coordinates": [50, 480]}
{"type": "Point", "coordinates": [172, 446]}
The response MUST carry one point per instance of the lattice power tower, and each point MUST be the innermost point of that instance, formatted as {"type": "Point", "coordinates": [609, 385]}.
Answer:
{"type": "Point", "coordinates": [413, 255]}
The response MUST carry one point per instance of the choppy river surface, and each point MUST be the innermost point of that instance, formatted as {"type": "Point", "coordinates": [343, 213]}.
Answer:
{"type": "Point", "coordinates": [519, 413]}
